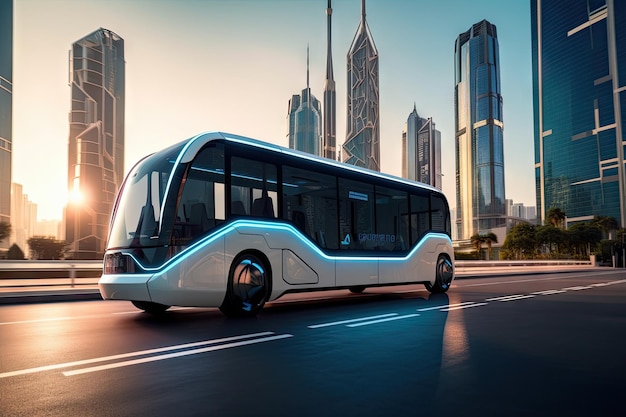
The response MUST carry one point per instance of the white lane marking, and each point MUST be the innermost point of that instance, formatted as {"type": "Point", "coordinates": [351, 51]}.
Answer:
{"type": "Point", "coordinates": [174, 355]}
{"type": "Point", "coordinates": [445, 306]}
{"type": "Point", "coordinates": [337, 323]}
{"type": "Point", "coordinates": [458, 282]}
{"type": "Point", "coordinates": [513, 297]}
{"type": "Point", "coordinates": [465, 306]}
{"type": "Point", "coordinates": [577, 288]}
{"type": "Point", "coordinates": [548, 292]}
{"type": "Point", "coordinates": [130, 354]}
{"type": "Point", "coordinates": [621, 281]}
{"type": "Point", "coordinates": [367, 323]}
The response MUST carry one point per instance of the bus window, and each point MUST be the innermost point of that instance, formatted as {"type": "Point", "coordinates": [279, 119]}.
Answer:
{"type": "Point", "coordinates": [392, 220]}
{"type": "Point", "coordinates": [356, 215]}
{"type": "Point", "coordinates": [201, 206]}
{"type": "Point", "coordinates": [254, 188]}
{"type": "Point", "coordinates": [439, 215]}
{"type": "Point", "coordinates": [420, 216]}
{"type": "Point", "coordinates": [310, 203]}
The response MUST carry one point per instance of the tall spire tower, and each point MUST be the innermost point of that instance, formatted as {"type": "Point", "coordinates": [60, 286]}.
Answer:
{"type": "Point", "coordinates": [329, 137]}
{"type": "Point", "coordinates": [362, 145]}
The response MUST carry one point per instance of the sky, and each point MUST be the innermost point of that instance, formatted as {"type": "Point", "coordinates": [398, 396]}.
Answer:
{"type": "Point", "coordinates": [194, 66]}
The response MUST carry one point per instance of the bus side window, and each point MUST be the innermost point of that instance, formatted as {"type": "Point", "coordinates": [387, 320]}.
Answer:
{"type": "Point", "coordinates": [310, 204]}
{"type": "Point", "coordinates": [254, 188]}
{"type": "Point", "coordinates": [420, 216]}
{"type": "Point", "coordinates": [439, 217]}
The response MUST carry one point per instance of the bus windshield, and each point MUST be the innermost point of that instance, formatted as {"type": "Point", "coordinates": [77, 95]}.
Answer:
{"type": "Point", "coordinates": [136, 221]}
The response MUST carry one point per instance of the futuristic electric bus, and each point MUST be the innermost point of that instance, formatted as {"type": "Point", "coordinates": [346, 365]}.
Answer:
{"type": "Point", "coordinates": [225, 221]}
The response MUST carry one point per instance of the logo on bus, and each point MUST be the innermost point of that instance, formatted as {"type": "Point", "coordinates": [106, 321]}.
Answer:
{"type": "Point", "coordinates": [346, 240]}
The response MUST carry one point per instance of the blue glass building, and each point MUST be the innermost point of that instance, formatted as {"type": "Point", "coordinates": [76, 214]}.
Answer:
{"type": "Point", "coordinates": [362, 145]}
{"type": "Point", "coordinates": [96, 140]}
{"type": "Point", "coordinates": [305, 120]}
{"type": "Point", "coordinates": [6, 110]}
{"type": "Point", "coordinates": [480, 196]}
{"type": "Point", "coordinates": [579, 86]}
{"type": "Point", "coordinates": [421, 150]}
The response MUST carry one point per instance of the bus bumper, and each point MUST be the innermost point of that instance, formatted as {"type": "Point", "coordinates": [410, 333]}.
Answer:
{"type": "Point", "coordinates": [131, 287]}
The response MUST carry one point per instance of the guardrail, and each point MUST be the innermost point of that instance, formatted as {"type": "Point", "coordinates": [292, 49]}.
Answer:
{"type": "Point", "coordinates": [30, 274]}
{"type": "Point", "coordinates": [21, 274]}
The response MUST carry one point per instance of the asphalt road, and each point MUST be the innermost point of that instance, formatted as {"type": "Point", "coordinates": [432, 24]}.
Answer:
{"type": "Point", "coordinates": [528, 345]}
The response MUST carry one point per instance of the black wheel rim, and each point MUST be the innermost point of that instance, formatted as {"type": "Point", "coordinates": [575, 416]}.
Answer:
{"type": "Point", "coordinates": [444, 272]}
{"type": "Point", "coordinates": [249, 283]}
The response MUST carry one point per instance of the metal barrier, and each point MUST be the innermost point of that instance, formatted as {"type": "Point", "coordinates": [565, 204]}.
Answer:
{"type": "Point", "coordinates": [21, 274]}
{"type": "Point", "coordinates": [30, 274]}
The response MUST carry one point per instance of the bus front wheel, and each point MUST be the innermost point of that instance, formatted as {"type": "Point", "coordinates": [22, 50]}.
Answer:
{"type": "Point", "coordinates": [150, 307]}
{"type": "Point", "coordinates": [248, 286]}
{"type": "Point", "coordinates": [443, 275]}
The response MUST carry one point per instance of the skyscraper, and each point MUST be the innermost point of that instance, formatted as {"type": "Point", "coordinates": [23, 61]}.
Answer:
{"type": "Point", "coordinates": [329, 138]}
{"type": "Point", "coordinates": [579, 90]}
{"type": "Point", "coordinates": [96, 140]}
{"type": "Point", "coordinates": [305, 119]}
{"type": "Point", "coordinates": [478, 123]}
{"type": "Point", "coordinates": [362, 145]}
{"type": "Point", "coordinates": [421, 150]}
{"type": "Point", "coordinates": [6, 110]}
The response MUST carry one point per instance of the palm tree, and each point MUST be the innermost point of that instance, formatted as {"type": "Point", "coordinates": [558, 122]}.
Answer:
{"type": "Point", "coordinates": [490, 238]}
{"type": "Point", "coordinates": [606, 223]}
{"type": "Point", "coordinates": [555, 216]}
{"type": "Point", "coordinates": [477, 240]}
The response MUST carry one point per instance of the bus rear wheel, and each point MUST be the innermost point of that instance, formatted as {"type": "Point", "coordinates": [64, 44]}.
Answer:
{"type": "Point", "coordinates": [150, 307]}
{"type": "Point", "coordinates": [443, 275]}
{"type": "Point", "coordinates": [248, 286]}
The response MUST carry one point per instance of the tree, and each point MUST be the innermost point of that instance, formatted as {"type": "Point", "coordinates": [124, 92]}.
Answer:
{"type": "Point", "coordinates": [5, 230]}
{"type": "Point", "coordinates": [46, 248]}
{"type": "Point", "coordinates": [477, 242]}
{"type": "Point", "coordinates": [489, 239]}
{"type": "Point", "coordinates": [555, 216]}
{"type": "Point", "coordinates": [15, 252]}
{"type": "Point", "coordinates": [520, 242]}
{"type": "Point", "coordinates": [605, 223]}
{"type": "Point", "coordinates": [547, 236]}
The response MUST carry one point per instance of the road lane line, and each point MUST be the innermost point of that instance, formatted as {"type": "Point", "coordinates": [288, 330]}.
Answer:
{"type": "Point", "coordinates": [465, 306]}
{"type": "Point", "coordinates": [459, 283]}
{"type": "Point", "coordinates": [577, 288]}
{"type": "Point", "coordinates": [129, 354]}
{"type": "Point", "coordinates": [509, 297]}
{"type": "Point", "coordinates": [445, 306]}
{"type": "Point", "coordinates": [515, 298]}
{"type": "Point", "coordinates": [337, 323]}
{"type": "Point", "coordinates": [547, 292]}
{"type": "Point", "coordinates": [174, 355]}
{"type": "Point", "coordinates": [367, 323]}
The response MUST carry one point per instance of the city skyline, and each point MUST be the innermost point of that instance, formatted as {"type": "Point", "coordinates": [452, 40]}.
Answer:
{"type": "Point", "coordinates": [204, 87]}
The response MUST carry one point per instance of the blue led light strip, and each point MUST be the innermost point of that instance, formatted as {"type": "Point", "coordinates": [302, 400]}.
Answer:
{"type": "Point", "coordinates": [263, 226]}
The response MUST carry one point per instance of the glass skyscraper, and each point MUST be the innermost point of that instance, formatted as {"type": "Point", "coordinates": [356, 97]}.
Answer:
{"type": "Point", "coordinates": [329, 141]}
{"type": "Point", "coordinates": [96, 140]}
{"type": "Point", "coordinates": [362, 145]}
{"type": "Point", "coordinates": [6, 110]}
{"type": "Point", "coordinates": [305, 120]}
{"type": "Point", "coordinates": [421, 150]}
{"type": "Point", "coordinates": [480, 197]}
{"type": "Point", "coordinates": [579, 86]}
